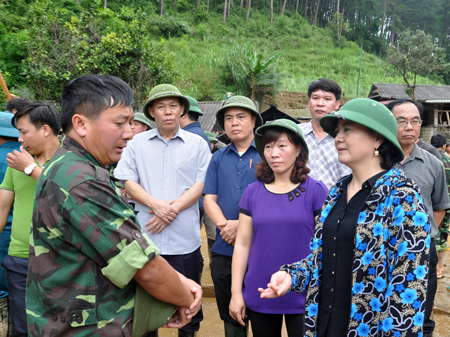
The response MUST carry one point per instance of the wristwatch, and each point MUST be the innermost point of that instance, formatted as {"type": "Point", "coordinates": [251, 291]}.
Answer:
{"type": "Point", "coordinates": [29, 169]}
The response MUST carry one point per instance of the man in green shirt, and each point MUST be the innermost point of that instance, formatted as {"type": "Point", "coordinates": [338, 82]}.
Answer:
{"type": "Point", "coordinates": [87, 250]}
{"type": "Point", "coordinates": [38, 125]}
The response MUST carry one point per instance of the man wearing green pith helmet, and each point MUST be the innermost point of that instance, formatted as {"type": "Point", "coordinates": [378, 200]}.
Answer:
{"type": "Point", "coordinates": [232, 168]}
{"type": "Point", "coordinates": [164, 171]}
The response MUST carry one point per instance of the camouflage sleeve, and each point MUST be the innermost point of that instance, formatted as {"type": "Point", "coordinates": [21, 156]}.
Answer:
{"type": "Point", "coordinates": [101, 219]}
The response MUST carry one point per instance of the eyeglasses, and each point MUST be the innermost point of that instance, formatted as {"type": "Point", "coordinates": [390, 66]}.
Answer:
{"type": "Point", "coordinates": [404, 122]}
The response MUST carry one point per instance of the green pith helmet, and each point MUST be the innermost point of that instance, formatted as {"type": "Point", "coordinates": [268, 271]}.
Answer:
{"type": "Point", "coordinates": [194, 105]}
{"type": "Point", "coordinates": [369, 113]}
{"type": "Point", "coordinates": [164, 90]}
{"type": "Point", "coordinates": [211, 137]}
{"type": "Point", "coordinates": [281, 123]}
{"type": "Point", "coordinates": [140, 117]}
{"type": "Point", "coordinates": [238, 102]}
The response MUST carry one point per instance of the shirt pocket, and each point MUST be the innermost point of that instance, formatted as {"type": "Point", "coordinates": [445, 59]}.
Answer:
{"type": "Point", "coordinates": [186, 174]}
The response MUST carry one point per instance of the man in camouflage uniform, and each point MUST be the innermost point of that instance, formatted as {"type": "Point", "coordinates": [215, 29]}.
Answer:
{"type": "Point", "coordinates": [439, 142]}
{"type": "Point", "coordinates": [87, 250]}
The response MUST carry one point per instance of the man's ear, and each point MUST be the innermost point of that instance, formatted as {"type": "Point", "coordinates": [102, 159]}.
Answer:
{"type": "Point", "coordinates": [79, 123]}
{"type": "Point", "coordinates": [46, 130]}
{"type": "Point", "coordinates": [150, 112]}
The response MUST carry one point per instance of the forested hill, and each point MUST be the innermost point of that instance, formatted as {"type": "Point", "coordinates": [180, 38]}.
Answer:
{"type": "Point", "coordinates": [207, 47]}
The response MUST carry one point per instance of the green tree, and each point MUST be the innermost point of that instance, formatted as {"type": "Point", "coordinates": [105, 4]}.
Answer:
{"type": "Point", "coordinates": [416, 54]}
{"type": "Point", "coordinates": [98, 41]}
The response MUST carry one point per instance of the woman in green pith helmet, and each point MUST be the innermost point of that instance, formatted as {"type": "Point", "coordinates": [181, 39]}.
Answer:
{"type": "Point", "coordinates": [367, 274]}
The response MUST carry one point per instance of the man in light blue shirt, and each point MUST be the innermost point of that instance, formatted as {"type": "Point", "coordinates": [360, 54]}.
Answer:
{"type": "Point", "coordinates": [164, 171]}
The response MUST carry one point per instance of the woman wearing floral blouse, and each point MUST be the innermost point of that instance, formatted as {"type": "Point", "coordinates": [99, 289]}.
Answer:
{"type": "Point", "coordinates": [367, 274]}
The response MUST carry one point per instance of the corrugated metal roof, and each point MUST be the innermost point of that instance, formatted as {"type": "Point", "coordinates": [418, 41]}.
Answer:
{"type": "Point", "coordinates": [386, 91]}
{"type": "Point", "coordinates": [208, 120]}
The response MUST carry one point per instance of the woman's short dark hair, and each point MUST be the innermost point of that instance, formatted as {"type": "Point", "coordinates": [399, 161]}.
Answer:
{"type": "Point", "coordinates": [300, 171]}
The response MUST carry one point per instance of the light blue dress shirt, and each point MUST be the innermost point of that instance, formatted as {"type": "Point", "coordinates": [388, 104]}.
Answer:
{"type": "Point", "coordinates": [166, 170]}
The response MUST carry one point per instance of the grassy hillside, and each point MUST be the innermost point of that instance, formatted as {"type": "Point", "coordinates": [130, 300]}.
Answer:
{"type": "Point", "coordinates": [308, 53]}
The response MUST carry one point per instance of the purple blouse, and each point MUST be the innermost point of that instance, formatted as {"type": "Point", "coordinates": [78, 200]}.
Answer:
{"type": "Point", "coordinates": [283, 226]}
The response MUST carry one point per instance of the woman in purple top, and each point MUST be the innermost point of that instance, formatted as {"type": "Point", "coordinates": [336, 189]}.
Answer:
{"type": "Point", "coordinates": [276, 222]}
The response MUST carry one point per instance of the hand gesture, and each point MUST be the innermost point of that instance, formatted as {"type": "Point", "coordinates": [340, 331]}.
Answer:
{"type": "Point", "coordinates": [19, 160]}
{"type": "Point", "coordinates": [279, 285]}
{"type": "Point", "coordinates": [164, 210]}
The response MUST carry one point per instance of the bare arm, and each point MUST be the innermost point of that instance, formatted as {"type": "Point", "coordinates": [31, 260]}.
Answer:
{"type": "Point", "coordinates": [239, 267]}
{"type": "Point", "coordinates": [160, 280]}
{"type": "Point", "coordinates": [212, 208]}
{"type": "Point", "coordinates": [189, 197]}
{"type": "Point", "coordinates": [438, 216]}
{"type": "Point", "coordinates": [6, 201]}
{"type": "Point", "coordinates": [228, 228]}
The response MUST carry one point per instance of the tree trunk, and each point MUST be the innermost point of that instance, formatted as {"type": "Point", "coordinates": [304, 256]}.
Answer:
{"type": "Point", "coordinates": [306, 9]}
{"type": "Point", "coordinates": [315, 15]}
{"type": "Point", "coordinates": [207, 6]}
{"type": "Point", "coordinates": [289, 5]}
{"type": "Point", "coordinates": [284, 6]}
{"type": "Point", "coordinates": [242, 3]}
{"type": "Point", "coordinates": [248, 9]}
{"type": "Point", "coordinates": [225, 12]}
{"type": "Point", "coordinates": [337, 6]}
{"type": "Point", "coordinates": [162, 8]}
{"type": "Point", "coordinates": [392, 25]}
{"type": "Point", "coordinates": [229, 7]}
{"type": "Point", "coordinates": [105, 3]}
{"type": "Point", "coordinates": [198, 3]}
{"type": "Point", "coordinates": [175, 3]}
{"type": "Point", "coordinates": [271, 10]}
{"type": "Point", "coordinates": [382, 27]}
{"type": "Point", "coordinates": [296, 6]}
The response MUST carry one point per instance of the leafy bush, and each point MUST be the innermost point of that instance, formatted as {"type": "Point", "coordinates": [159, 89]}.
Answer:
{"type": "Point", "coordinates": [99, 41]}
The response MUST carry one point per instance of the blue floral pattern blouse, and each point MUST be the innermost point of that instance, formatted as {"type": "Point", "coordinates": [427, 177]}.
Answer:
{"type": "Point", "coordinates": [390, 264]}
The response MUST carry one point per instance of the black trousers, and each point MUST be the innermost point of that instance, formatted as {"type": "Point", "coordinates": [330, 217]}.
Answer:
{"type": "Point", "coordinates": [270, 325]}
{"type": "Point", "coordinates": [428, 324]}
{"type": "Point", "coordinates": [221, 275]}
{"type": "Point", "coordinates": [190, 265]}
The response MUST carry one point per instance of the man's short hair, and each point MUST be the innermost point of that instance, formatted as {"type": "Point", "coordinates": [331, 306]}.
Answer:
{"type": "Point", "coordinates": [393, 104]}
{"type": "Point", "coordinates": [193, 116]}
{"type": "Point", "coordinates": [17, 103]}
{"type": "Point", "coordinates": [326, 85]}
{"type": "Point", "coordinates": [90, 95]}
{"type": "Point", "coordinates": [438, 140]}
{"type": "Point", "coordinates": [39, 114]}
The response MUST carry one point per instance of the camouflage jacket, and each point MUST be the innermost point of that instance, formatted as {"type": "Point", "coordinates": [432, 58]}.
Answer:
{"type": "Point", "coordinates": [85, 249]}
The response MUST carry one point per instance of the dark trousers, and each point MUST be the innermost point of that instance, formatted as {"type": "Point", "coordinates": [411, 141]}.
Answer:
{"type": "Point", "coordinates": [5, 239]}
{"type": "Point", "coordinates": [428, 324]}
{"type": "Point", "coordinates": [221, 276]}
{"type": "Point", "coordinates": [190, 265]}
{"type": "Point", "coordinates": [17, 278]}
{"type": "Point", "coordinates": [270, 325]}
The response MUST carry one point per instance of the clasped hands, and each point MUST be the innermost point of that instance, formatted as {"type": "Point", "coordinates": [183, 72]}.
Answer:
{"type": "Point", "coordinates": [228, 230]}
{"type": "Point", "coordinates": [165, 212]}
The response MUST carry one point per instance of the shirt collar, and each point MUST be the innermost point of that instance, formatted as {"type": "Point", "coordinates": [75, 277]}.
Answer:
{"type": "Point", "coordinates": [192, 125]}
{"type": "Point", "coordinates": [179, 134]}
{"type": "Point", "coordinates": [416, 153]}
{"type": "Point", "coordinates": [232, 147]}
{"type": "Point", "coordinates": [307, 128]}
{"type": "Point", "coordinates": [73, 146]}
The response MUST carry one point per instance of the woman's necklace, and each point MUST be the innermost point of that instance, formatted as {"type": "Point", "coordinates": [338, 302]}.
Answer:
{"type": "Point", "coordinates": [282, 185]}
